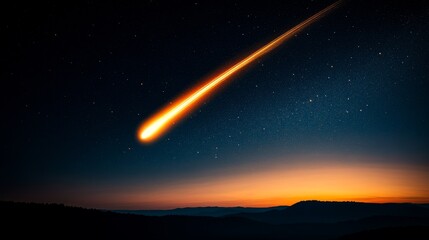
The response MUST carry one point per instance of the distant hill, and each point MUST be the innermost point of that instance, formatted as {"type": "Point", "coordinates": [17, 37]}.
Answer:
{"type": "Point", "coordinates": [331, 212]}
{"type": "Point", "coordinates": [201, 211]}
{"type": "Point", "coordinates": [52, 221]}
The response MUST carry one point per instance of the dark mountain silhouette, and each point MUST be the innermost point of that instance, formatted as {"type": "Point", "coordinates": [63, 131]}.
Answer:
{"type": "Point", "coordinates": [201, 211]}
{"type": "Point", "coordinates": [426, 205]}
{"type": "Point", "coordinates": [330, 212]}
{"type": "Point", "coordinates": [52, 221]}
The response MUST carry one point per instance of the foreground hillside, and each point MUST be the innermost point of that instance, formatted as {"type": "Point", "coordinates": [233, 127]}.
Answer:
{"type": "Point", "coordinates": [52, 221]}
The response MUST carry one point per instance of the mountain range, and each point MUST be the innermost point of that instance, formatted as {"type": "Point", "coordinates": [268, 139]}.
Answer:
{"type": "Point", "coordinates": [304, 220]}
{"type": "Point", "coordinates": [202, 211]}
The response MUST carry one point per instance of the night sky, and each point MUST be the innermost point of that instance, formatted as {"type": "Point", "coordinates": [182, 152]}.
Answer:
{"type": "Point", "coordinates": [338, 112]}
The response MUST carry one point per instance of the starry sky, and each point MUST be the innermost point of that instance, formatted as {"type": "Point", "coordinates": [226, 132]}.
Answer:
{"type": "Point", "coordinates": [338, 112]}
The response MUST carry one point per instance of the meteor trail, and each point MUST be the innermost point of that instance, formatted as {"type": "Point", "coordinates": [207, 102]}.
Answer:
{"type": "Point", "coordinates": [164, 119]}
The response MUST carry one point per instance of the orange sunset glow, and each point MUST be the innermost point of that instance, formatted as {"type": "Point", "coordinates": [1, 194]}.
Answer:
{"type": "Point", "coordinates": [286, 184]}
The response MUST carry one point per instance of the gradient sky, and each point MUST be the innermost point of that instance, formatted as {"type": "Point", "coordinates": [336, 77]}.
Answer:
{"type": "Point", "coordinates": [339, 112]}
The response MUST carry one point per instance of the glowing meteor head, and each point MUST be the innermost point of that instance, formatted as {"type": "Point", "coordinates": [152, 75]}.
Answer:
{"type": "Point", "coordinates": [151, 130]}
{"type": "Point", "coordinates": [146, 133]}
{"type": "Point", "coordinates": [166, 118]}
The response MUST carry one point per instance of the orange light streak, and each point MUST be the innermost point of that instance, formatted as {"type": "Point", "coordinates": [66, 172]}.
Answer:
{"type": "Point", "coordinates": [164, 119]}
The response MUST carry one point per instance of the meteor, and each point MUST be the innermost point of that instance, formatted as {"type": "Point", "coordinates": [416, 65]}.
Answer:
{"type": "Point", "coordinates": [165, 118]}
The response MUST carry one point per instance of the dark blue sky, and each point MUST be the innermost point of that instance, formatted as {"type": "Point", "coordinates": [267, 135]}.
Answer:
{"type": "Point", "coordinates": [80, 78]}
